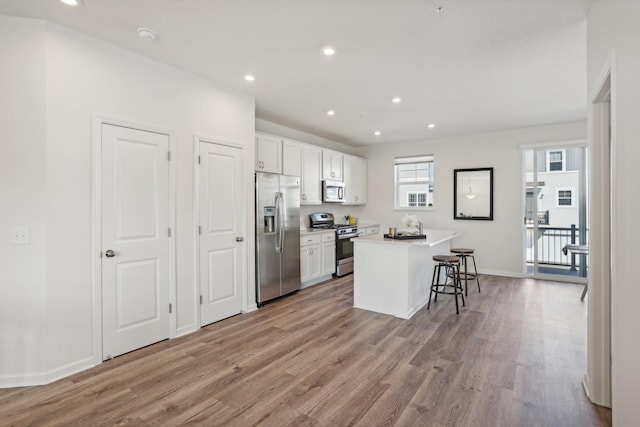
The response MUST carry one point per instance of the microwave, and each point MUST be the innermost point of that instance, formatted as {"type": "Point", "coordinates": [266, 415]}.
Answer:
{"type": "Point", "coordinates": [333, 191]}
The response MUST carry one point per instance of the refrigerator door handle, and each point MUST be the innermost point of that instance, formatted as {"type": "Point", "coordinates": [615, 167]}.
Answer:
{"type": "Point", "coordinates": [277, 224]}
{"type": "Point", "coordinates": [281, 223]}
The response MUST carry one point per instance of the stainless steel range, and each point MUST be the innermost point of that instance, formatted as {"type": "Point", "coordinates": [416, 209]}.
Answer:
{"type": "Point", "coordinates": [344, 245]}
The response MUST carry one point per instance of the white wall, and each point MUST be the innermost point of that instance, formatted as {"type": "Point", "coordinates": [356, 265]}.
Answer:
{"type": "Point", "coordinates": [499, 150]}
{"type": "Point", "coordinates": [85, 76]}
{"type": "Point", "coordinates": [23, 198]}
{"type": "Point", "coordinates": [613, 25]}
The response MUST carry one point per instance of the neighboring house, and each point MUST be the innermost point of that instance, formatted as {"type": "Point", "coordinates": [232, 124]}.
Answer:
{"type": "Point", "coordinates": [558, 189]}
{"type": "Point", "coordinates": [555, 199]}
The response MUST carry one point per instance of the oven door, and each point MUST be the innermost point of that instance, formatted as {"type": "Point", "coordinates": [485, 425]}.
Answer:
{"type": "Point", "coordinates": [344, 250]}
{"type": "Point", "coordinates": [344, 254]}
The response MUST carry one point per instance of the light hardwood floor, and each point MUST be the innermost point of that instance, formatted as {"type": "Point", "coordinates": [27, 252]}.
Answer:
{"type": "Point", "coordinates": [515, 356]}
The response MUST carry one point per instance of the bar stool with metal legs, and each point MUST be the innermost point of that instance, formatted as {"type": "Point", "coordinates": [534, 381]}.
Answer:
{"type": "Point", "coordinates": [451, 265]}
{"type": "Point", "coordinates": [466, 253]}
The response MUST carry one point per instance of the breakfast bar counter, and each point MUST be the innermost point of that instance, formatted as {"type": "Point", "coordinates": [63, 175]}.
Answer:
{"type": "Point", "coordinates": [393, 276]}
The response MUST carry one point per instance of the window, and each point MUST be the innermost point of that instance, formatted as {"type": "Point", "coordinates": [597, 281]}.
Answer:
{"type": "Point", "coordinates": [555, 160]}
{"type": "Point", "coordinates": [414, 182]}
{"type": "Point", "coordinates": [415, 200]}
{"type": "Point", "coordinates": [564, 197]}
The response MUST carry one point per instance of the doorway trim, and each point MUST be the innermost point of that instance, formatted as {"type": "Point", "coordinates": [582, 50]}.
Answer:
{"type": "Point", "coordinates": [599, 381]}
{"type": "Point", "coordinates": [96, 223]}
{"type": "Point", "coordinates": [573, 143]}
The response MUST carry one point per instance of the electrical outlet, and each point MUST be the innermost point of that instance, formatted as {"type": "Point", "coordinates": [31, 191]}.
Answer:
{"type": "Point", "coordinates": [20, 235]}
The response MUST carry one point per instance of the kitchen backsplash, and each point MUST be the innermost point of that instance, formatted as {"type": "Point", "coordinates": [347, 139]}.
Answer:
{"type": "Point", "coordinates": [336, 209]}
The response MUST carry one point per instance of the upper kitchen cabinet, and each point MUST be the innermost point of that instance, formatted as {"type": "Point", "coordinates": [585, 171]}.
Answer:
{"type": "Point", "coordinates": [332, 165]}
{"type": "Point", "coordinates": [355, 180]}
{"type": "Point", "coordinates": [268, 153]}
{"type": "Point", "coordinates": [292, 158]}
{"type": "Point", "coordinates": [305, 161]}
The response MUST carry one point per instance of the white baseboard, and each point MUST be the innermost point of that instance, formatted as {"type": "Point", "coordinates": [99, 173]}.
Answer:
{"type": "Point", "coordinates": [9, 381]}
{"type": "Point", "coordinates": [251, 307]}
{"type": "Point", "coordinates": [315, 281]}
{"type": "Point", "coordinates": [70, 369]}
{"type": "Point", "coordinates": [501, 273]}
{"type": "Point", "coordinates": [186, 330]}
{"type": "Point", "coordinates": [42, 378]}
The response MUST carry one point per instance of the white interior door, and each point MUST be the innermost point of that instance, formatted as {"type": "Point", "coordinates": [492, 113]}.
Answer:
{"type": "Point", "coordinates": [135, 241]}
{"type": "Point", "coordinates": [221, 232]}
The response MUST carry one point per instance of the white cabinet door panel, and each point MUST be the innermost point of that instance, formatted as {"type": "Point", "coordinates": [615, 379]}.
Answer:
{"type": "Point", "coordinates": [268, 154]}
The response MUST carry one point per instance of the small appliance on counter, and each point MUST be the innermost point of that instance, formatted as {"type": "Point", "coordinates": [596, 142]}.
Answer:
{"type": "Point", "coordinates": [344, 245]}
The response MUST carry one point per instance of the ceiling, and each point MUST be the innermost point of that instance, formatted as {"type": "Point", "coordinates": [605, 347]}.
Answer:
{"type": "Point", "coordinates": [477, 66]}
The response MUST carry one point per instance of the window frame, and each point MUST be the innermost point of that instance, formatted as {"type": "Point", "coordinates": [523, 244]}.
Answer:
{"type": "Point", "coordinates": [572, 199]}
{"type": "Point", "coordinates": [563, 153]}
{"type": "Point", "coordinates": [417, 194]}
{"type": "Point", "coordinates": [429, 182]}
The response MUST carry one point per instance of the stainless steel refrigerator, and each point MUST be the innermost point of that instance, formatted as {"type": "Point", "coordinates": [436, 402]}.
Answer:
{"type": "Point", "coordinates": [277, 235]}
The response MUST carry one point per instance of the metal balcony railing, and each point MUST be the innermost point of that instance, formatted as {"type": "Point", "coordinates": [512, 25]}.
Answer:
{"type": "Point", "coordinates": [550, 242]}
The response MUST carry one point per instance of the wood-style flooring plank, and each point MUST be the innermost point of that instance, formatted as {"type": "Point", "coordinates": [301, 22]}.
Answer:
{"type": "Point", "coordinates": [515, 356]}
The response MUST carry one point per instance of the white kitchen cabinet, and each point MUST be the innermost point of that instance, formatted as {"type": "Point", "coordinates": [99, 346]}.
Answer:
{"type": "Point", "coordinates": [292, 158]}
{"type": "Point", "coordinates": [328, 253]}
{"type": "Point", "coordinates": [332, 165]}
{"type": "Point", "coordinates": [268, 153]}
{"type": "Point", "coordinates": [311, 192]}
{"type": "Point", "coordinates": [310, 257]}
{"type": "Point", "coordinates": [355, 180]}
{"type": "Point", "coordinates": [317, 257]}
{"type": "Point", "coordinates": [305, 161]}
{"type": "Point", "coordinates": [368, 230]}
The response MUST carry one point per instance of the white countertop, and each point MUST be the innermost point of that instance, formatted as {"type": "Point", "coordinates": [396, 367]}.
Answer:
{"type": "Point", "coordinates": [434, 237]}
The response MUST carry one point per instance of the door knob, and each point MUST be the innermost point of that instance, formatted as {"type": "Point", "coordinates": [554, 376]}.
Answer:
{"type": "Point", "coordinates": [110, 253]}
{"type": "Point", "coordinates": [239, 239]}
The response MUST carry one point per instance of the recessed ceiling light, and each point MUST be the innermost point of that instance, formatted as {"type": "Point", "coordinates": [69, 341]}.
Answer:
{"type": "Point", "coordinates": [396, 99]}
{"type": "Point", "coordinates": [249, 77]}
{"type": "Point", "coordinates": [147, 34]}
{"type": "Point", "coordinates": [377, 133]}
{"type": "Point", "coordinates": [439, 9]}
{"type": "Point", "coordinates": [330, 112]}
{"type": "Point", "coordinates": [431, 125]}
{"type": "Point", "coordinates": [329, 51]}
{"type": "Point", "coordinates": [74, 3]}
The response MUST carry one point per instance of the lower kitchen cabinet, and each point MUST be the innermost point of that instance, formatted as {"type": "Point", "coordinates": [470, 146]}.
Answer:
{"type": "Point", "coordinates": [310, 257]}
{"type": "Point", "coordinates": [367, 230]}
{"type": "Point", "coordinates": [328, 258]}
{"type": "Point", "coordinates": [317, 257]}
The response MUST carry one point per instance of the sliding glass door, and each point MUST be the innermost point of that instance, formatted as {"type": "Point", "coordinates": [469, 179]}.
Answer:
{"type": "Point", "coordinates": [555, 217]}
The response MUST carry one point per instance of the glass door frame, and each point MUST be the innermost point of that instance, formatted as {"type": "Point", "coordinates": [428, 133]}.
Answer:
{"type": "Point", "coordinates": [581, 197]}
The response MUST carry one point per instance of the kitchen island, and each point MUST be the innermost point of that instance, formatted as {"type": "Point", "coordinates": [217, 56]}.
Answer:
{"type": "Point", "coordinates": [393, 276]}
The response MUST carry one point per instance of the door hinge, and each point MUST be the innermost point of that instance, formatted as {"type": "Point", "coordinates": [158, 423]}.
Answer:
{"type": "Point", "coordinates": [200, 299]}
{"type": "Point", "coordinates": [198, 159]}
{"type": "Point", "coordinates": [169, 307]}
{"type": "Point", "coordinates": [101, 254]}
{"type": "Point", "coordinates": [168, 156]}
{"type": "Point", "coordinates": [169, 231]}
{"type": "Point", "coordinates": [199, 229]}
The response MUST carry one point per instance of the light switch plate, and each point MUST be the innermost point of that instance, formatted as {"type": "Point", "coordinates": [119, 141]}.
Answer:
{"type": "Point", "coordinates": [20, 235]}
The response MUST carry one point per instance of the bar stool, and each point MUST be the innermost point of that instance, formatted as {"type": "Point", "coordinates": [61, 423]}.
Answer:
{"type": "Point", "coordinates": [451, 264]}
{"type": "Point", "coordinates": [465, 253]}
